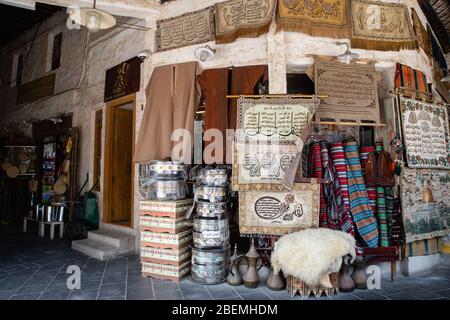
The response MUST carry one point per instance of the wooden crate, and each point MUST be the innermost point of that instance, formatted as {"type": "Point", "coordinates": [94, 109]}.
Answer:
{"type": "Point", "coordinates": [164, 224]}
{"type": "Point", "coordinates": [294, 285]}
{"type": "Point", "coordinates": [166, 272]}
{"type": "Point", "coordinates": [166, 240]}
{"type": "Point", "coordinates": [171, 209]}
{"type": "Point", "coordinates": [173, 257]}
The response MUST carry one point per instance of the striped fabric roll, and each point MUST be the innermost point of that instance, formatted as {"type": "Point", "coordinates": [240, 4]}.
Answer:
{"type": "Point", "coordinates": [338, 158]}
{"type": "Point", "coordinates": [324, 154]}
{"type": "Point", "coordinates": [318, 173]}
{"type": "Point", "coordinates": [396, 231]}
{"type": "Point", "coordinates": [382, 217]}
{"type": "Point", "coordinates": [360, 208]}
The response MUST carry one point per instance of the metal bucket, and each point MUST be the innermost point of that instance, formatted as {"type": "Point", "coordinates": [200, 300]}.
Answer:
{"type": "Point", "coordinates": [59, 214]}
{"type": "Point", "coordinates": [49, 212]}
{"type": "Point", "coordinates": [210, 266]}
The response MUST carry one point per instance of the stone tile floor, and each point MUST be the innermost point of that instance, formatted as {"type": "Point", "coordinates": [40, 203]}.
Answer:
{"type": "Point", "coordinates": [32, 268]}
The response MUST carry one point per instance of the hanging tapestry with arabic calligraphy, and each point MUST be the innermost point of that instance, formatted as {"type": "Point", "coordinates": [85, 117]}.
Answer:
{"type": "Point", "coordinates": [276, 211]}
{"type": "Point", "coordinates": [319, 18]}
{"type": "Point", "coordinates": [273, 120]}
{"type": "Point", "coordinates": [243, 18]}
{"type": "Point", "coordinates": [185, 30]}
{"type": "Point", "coordinates": [421, 33]}
{"type": "Point", "coordinates": [425, 134]}
{"type": "Point", "coordinates": [351, 89]}
{"type": "Point", "coordinates": [381, 26]}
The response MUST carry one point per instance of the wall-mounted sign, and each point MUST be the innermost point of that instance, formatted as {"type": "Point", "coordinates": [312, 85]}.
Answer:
{"type": "Point", "coordinates": [123, 79]}
{"type": "Point", "coordinates": [36, 89]}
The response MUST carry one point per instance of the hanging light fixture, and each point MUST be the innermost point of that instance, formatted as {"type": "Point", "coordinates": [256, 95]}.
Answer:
{"type": "Point", "coordinates": [204, 53]}
{"type": "Point", "coordinates": [92, 18]}
{"type": "Point", "coordinates": [347, 56]}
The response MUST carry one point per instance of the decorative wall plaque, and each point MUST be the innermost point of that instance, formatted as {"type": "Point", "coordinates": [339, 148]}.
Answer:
{"type": "Point", "coordinates": [257, 166]}
{"type": "Point", "coordinates": [123, 79]}
{"type": "Point", "coordinates": [278, 211]}
{"type": "Point", "coordinates": [185, 30]}
{"type": "Point", "coordinates": [425, 134]}
{"type": "Point", "coordinates": [246, 18]}
{"type": "Point", "coordinates": [273, 120]}
{"type": "Point", "coordinates": [379, 25]}
{"type": "Point", "coordinates": [351, 89]}
{"type": "Point", "coordinates": [425, 197]}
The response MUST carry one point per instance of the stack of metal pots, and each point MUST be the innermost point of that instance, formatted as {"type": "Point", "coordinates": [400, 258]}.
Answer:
{"type": "Point", "coordinates": [211, 234]}
{"type": "Point", "coordinates": [163, 180]}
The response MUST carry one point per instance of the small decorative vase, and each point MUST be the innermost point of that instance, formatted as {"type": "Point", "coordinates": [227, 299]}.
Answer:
{"type": "Point", "coordinates": [275, 282]}
{"type": "Point", "coordinates": [346, 283]}
{"type": "Point", "coordinates": [359, 275]}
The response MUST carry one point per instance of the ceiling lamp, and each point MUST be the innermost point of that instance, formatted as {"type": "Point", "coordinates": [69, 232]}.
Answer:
{"type": "Point", "coordinates": [92, 18]}
{"type": "Point", "coordinates": [204, 53]}
{"type": "Point", "coordinates": [347, 56]}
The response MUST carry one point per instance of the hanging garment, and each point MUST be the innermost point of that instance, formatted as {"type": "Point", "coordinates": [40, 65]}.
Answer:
{"type": "Point", "coordinates": [379, 169]}
{"type": "Point", "coordinates": [172, 98]}
{"type": "Point", "coordinates": [214, 84]}
{"type": "Point", "coordinates": [371, 191]}
{"type": "Point", "coordinates": [365, 222]}
{"type": "Point", "coordinates": [316, 161]}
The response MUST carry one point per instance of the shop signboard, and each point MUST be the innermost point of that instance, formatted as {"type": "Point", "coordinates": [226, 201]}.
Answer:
{"type": "Point", "coordinates": [40, 88]}
{"type": "Point", "coordinates": [123, 79]}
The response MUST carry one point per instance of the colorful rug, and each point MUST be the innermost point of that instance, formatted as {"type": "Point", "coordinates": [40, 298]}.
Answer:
{"type": "Point", "coordinates": [360, 209]}
{"type": "Point", "coordinates": [316, 162]}
{"type": "Point", "coordinates": [325, 18]}
{"type": "Point", "coordinates": [185, 30]}
{"type": "Point", "coordinates": [239, 18]}
{"type": "Point", "coordinates": [381, 26]}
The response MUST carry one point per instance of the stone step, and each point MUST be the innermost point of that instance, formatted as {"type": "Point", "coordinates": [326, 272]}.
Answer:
{"type": "Point", "coordinates": [98, 250]}
{"type": "Point", "coordinates": [112, 238]}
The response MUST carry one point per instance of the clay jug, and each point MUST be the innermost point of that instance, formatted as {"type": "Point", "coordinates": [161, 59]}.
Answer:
{"type": "Point", "coordinates": [275, 282]}
{"type": "Point", "coordinates": [346, 283]}
{"type": "Point", "coordinates": [359, 275]}
{"type": "Point", "coordinates": [251, 277]}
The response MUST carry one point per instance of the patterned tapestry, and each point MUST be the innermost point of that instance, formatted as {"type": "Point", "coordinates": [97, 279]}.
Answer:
{"type": "Point", "coordinates": [358, 101]}
{"type": "Point", "coordinates": [185, 30]}
{"type": "Point", "coordinates": [425, 196]}
{"type": "Point", "coordinates": [425, 134]}
{"type": "Point", "coordinates": [411, 81]}
{"type": "Point", "coordinates": [320, 18]}
{"type": "Point", "coordinates": [421, 33]}
{"type": "Point", "coordinates": [242, 18]}
{"type": "Point", "coordinates": [277, 211]}
{"type": "Point", "coordinates": [381, 26]}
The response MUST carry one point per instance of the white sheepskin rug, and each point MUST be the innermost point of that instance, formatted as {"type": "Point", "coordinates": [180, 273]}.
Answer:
{"type": "Point", "coordinates": [312, 254]}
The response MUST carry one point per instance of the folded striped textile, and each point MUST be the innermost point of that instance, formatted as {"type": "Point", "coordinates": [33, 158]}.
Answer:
{"type": "Point", "coordinates": [382, 217]}
{"type": "Point", "coordinates": [324, 154]}
{"type": "Point", "coordinates": [389, 193]}
{"type": "Point", "coordinates": [316, 161]}
{"type": "Point", "coordinates": [365, 222]}
{"type": "Point", "coordinates": [338, 158]}
{"type": "Point", "coordinates": [396, 230]}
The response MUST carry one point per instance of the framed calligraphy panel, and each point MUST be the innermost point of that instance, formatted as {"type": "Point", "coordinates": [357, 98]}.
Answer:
{"type": "Point", "coordinates": [278, 211]}
{"type": "Point", "coordinates": [351, 89]}
{"type": "Point", "coordinates": [425, 134]}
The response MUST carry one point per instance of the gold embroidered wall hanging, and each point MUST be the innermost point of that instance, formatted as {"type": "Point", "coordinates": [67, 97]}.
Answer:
{"type": "Point", "coordinates": [278, 211]}
{"type": "Point", "coordinates": [320, 18]}
{"type": "Point", "coordinates": [425, 134]}
{"type": "Point", "coordinates": [242, 18]}
{"type": "Point", "coordinates": [421, 33]}
{"type": "Point", "coordinates": [381, 26]}
{"type": "Point", "coordinates": [187, 29]}
{"type": "Point", "coordinates": [351, 89]}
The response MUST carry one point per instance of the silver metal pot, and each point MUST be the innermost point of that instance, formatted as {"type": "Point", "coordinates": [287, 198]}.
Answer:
{"type": "Point", "coordinates": [167, 189]}
{"type": "Point", "coordinates": [210, 239]}
{"type": "Point", "coordinates": [60, 211]}
{"type": "Point", "coordinates": [49, 213]}
{"type": "Point", "coordinates": [211, 257]}
{"type": "Point", "coordinates": [202, 224]}
{"type": "Point", "coordinates": [210, 209]}
{"type": "Point", "coordinates": [211, 194]}
{"type": "Point", "coordinates": [164, 170]}
{"type": "Point", "coordinates": [208, 274]}
{"type": "Point", "coordinates": [38, 212]}
{"type": "Point", "coordinates": [213, 177]}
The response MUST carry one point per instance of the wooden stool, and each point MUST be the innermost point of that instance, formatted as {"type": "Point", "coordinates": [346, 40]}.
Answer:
{"type": "Point", "coordinates": [52, 228]}
{"type": "Point", "coordinates": [384, 254]}
{"type": "Point", "coordinates": [294, 285]}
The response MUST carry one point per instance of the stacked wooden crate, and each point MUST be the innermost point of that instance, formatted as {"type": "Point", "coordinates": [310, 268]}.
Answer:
{"type": "Point", "coordinates": [165, 238]}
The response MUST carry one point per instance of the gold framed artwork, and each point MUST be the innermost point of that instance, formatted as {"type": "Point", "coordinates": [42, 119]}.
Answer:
{"type": "Point", "coordinates": [278, 211]}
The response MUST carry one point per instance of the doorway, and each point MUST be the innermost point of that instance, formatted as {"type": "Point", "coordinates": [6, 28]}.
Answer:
{"type": "Point", "coordinates": [119, 169]}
